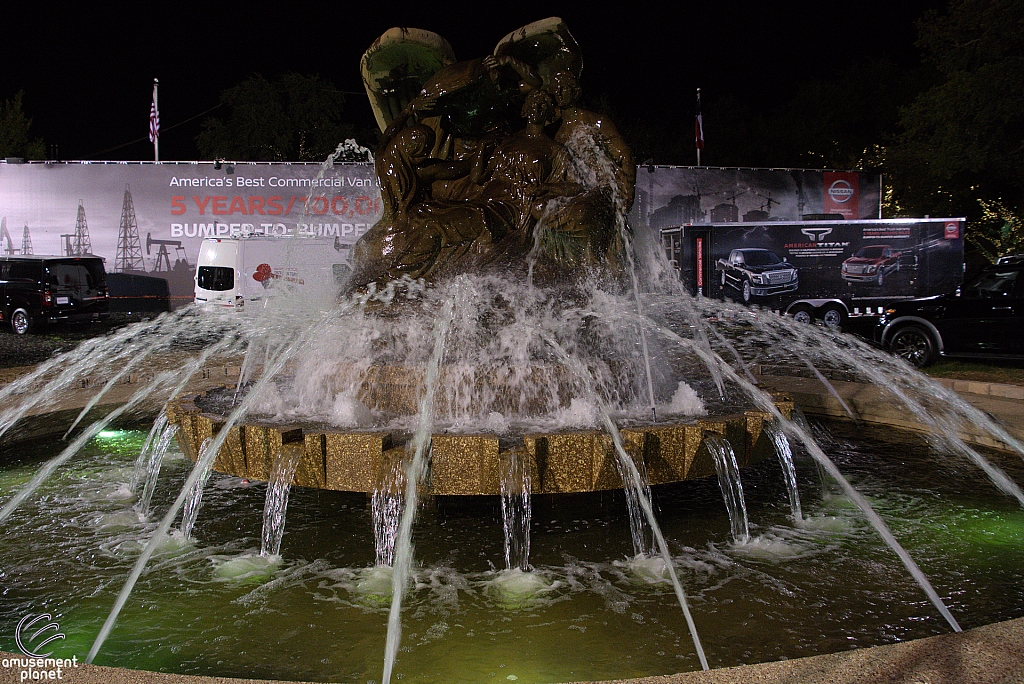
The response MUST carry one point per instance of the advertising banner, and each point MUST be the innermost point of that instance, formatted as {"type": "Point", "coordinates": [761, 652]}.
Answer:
{"type": "Point", "coordinates": [668, 196]}
{"type": "Point", "coordinates": [145, 217]}
{"type": "Point", "coordinates": [150, 218]}
{"type": "Point", "coordinates": [853, 260]}
{"type": "Point", "coordinates": [842, 194]}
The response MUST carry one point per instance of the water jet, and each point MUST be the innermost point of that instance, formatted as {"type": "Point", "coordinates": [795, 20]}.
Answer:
{"type": "Point", "coordinates": [465, 451]}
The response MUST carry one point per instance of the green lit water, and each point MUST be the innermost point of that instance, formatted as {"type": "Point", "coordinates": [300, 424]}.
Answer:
{"type": "Point", "coordinates": [827, 585]}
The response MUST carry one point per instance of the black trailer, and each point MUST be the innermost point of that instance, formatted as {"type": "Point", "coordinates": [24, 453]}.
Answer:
{"type": "Point", "coordinates": [829, 270]}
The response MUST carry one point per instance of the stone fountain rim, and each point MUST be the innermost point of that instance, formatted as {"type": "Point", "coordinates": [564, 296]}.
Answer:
{"type": "Point", "coordinates": [991, 653]}
{"type": "Point", "coordinates": [887, 662]}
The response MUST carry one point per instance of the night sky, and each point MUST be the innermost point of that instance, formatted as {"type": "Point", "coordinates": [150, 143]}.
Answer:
{"type": "Point", "coordinates": [87, 68]}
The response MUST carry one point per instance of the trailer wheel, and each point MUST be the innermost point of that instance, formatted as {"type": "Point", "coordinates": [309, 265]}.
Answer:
{"type": "Point", "coordinates": [802, 314]}
{"type": "Point", "coordinates": [914, 345]}
{"type": "Point", "coordinates": [833, 317]}
{"type": "Point", "coordinates": [21, 322]}
{"type": "Point", "coordinates": [745, 291]}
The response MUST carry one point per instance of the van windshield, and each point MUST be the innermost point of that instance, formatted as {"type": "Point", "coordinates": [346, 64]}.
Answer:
{"type": "Point", "coordinates": [216, 278]}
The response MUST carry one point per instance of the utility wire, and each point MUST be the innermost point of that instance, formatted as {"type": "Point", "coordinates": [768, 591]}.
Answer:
{"type": "Point", "coordinates": [169, 128]}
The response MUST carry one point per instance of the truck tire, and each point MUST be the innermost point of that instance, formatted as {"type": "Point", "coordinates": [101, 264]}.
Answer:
{"type": "Point", "coordinates": [21, 321]}
{"type": "Point", "coordinates": [880, 278]}
{"type": "Point", "coordinates": [745, 291]}
{"type": "Point", "coordinates": [913, 344]}
{"type": "Point", "coordinates": [833, 317]}
{"type": "Point", "coordinates": [802, 314]}
{"type": "Point", "coordinates": [723, 279]}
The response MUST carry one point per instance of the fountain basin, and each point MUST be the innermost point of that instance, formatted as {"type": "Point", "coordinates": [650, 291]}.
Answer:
{"type": "Point", "coordinates": [834, 589]}
{"type": "Point", "coordinates": [469, 464]}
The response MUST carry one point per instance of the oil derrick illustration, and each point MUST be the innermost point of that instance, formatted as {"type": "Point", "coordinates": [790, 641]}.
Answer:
{"type": "Point", "coordinates": [26, 242]}
{"type": "Point", "coordinates": [6, 243]}
{"type": "Point", "coordinates": [80, 242]}
{"type": "Point", "coordinates": [129, 248]}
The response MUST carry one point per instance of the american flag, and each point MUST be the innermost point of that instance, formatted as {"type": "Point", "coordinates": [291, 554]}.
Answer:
{"type": "Point", "coordinates": [698, 125]}
{"type": "Point", "coordinates": [154, 122]}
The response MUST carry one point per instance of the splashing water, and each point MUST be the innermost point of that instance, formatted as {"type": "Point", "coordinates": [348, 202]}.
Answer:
{"type": "Point", "coordinates": [202, 465]}
{"type": "Point", "coordinates": [764, 401]}
{"type": "Point", "coordinates": [633, 481]}
{"type": "Point", "coordinates": [729, 482]}
{"type": "Point", "coordinates": [276, 506]}
{"type": "Point", "coordinates": [495, 355]}
{"type": "Point", "coordinates": [152, 468]}
{"type": "Point", "coordinates": [785, 454]}
{"type": "Point", "coordinates": [386, 506]}
{"type": "Point", "coordinates": [195, 494]}
{"type": "Point", "coordinates": [415, 472]}
{"type": "Point", "coordinates": [516, 510]}
{"type": "Point", "coordinates": [139, 472]}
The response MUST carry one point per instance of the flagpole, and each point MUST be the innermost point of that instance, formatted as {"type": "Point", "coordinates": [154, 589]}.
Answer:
{"type": "Point", "coordinates": [701, 126]}
{"type": "Point", "coordinates": [156, 106]}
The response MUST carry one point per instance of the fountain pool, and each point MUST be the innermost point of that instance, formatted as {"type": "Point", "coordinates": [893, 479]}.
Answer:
{"type": "Point", "coordinates": [315, 613]}
{"type": "Point", "coordinates": [501, 296]}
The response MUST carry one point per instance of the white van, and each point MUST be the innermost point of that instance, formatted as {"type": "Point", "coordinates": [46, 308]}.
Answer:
{"type": "Point", "coordinates": [235, 270]}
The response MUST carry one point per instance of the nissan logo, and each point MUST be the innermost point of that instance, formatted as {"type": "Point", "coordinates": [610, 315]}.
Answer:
{"type": "Point", "coordinates": [841, 191]}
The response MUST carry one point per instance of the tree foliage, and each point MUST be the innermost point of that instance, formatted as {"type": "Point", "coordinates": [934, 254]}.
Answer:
{"type": "Point", "coordinates": [998, 232]}
{"type": "Point", "coordinates": [963, 139]}
{"type": "Point", "coordinates": [822, 122]}
{"type": "Point", "coordinates": [15, 140]}
{"type": "Point", "coordinates": [294, 118]}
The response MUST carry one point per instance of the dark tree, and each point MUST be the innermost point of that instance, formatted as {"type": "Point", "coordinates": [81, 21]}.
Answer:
{"type": "Point", "coordinates": [963, 139]}
{"type": "Point", "coordinates": [14, 131]}
{"type": "Point", "coordinates": [295, 118]}
{"type": "Point", "coordinates": [842, 121]}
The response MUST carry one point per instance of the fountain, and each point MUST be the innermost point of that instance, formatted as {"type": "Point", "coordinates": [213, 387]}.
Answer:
{"type": "Point", "coordinates": [514, 438]}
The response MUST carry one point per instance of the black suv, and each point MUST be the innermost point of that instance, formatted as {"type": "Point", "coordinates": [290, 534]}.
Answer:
{"type": "Point", "coordinates": [40, 289]}
{"type": "Point", "coordinates": [983, 319]}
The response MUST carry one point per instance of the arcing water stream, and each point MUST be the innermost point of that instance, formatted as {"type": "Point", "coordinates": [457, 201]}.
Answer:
{"type": "Point", "coordinates": [488, 355]}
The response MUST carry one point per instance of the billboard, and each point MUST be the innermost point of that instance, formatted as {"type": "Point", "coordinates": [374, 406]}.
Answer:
{"type": "Point", "coordinates": [149, 217]}
{"type": "Point", "coordinates": [668, 196]}
{"type": "Point", "coordinates": [861, 262]}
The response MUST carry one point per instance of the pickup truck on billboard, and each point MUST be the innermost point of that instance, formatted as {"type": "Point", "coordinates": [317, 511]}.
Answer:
{"type": "Point", "coordinates": [827, 270]}
{"type": "Point", "coordinates": [757, 272]}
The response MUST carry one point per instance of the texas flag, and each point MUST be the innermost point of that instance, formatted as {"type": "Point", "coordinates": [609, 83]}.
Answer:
{"type": "Point", "coordinates": [698, 125]}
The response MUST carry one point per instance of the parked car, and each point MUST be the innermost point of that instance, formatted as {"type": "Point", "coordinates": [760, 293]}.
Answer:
{"type": "Point", "coordinates": [871, 264]}
{"type": "Point", "coordinates": [757, 273]}
{"type": "Point", "coordinates": [984, 319]}
{"type": "Point", "coordinates": [43, 289]}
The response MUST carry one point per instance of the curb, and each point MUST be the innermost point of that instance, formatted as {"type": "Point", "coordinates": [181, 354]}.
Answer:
{"type": "Point", "coordinates": [989, 389]}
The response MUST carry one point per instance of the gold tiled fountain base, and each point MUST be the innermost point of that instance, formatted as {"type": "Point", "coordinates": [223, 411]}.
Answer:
{"type": "Point", "coordinates": [563, 462]}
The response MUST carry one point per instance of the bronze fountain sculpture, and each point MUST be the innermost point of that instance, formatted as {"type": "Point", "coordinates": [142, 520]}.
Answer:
{"type": "Point", "coordinates": [510, 365]}
{"type": "Point", "coordinates": [487, 166]}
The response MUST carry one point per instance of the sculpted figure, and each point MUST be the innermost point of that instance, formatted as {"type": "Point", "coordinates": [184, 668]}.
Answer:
{"type": "Point", "coordinates": [578, 124]}
{"type": "Point", "coordinates": [471, 180]}
{"type": "Point", "coordinates": [406, 173]}
{"type": "Point", "coordinates": [429, 236]}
